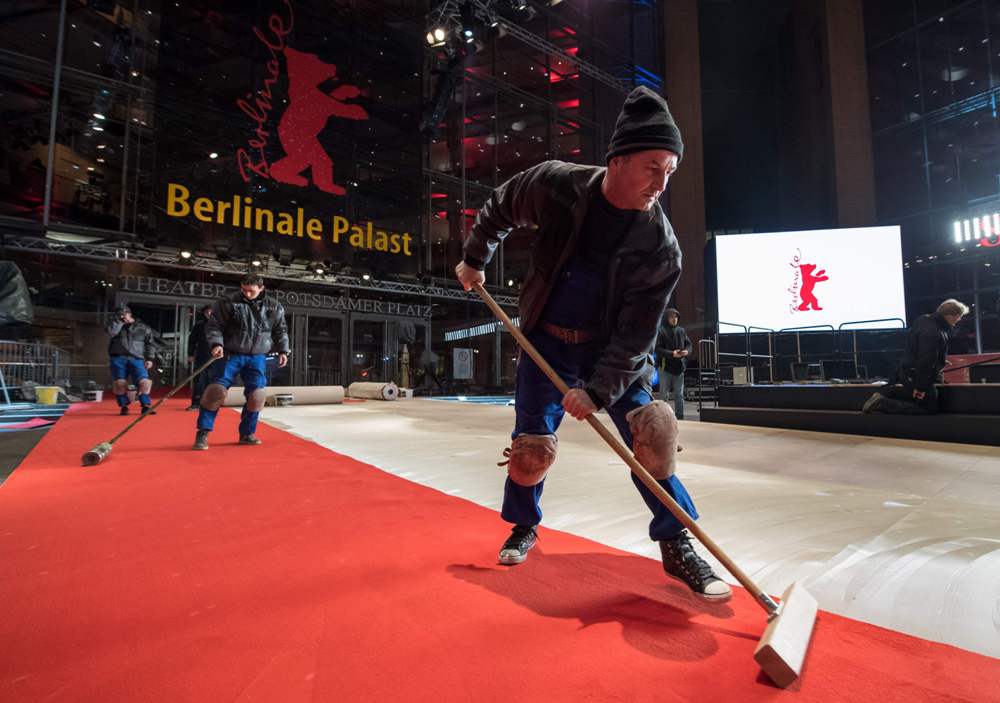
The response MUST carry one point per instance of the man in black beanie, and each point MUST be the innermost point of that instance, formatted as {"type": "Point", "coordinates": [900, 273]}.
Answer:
{"type": "Point", "coordinates": [602, 270]}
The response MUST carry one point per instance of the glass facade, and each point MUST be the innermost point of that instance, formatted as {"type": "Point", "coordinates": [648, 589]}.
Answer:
{"type": "Point", "coordinates": [284, 136]}
{"type": "Point", "coordinates": [934, 82]}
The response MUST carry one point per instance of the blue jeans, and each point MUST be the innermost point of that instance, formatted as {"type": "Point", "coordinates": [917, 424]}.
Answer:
{"type": "Point", "coordinates": [673, 383]}
{"type": "Point", "coordinates": [538, 407]}
{"type": "Point", "coordinates": [251, 369]}
{"type": "Point", "coordinates": [129, 368]}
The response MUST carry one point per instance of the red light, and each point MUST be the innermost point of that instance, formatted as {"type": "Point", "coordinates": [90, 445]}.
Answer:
{"type": "Point", "coordinates": [439, 195]}
{"type": "Point", "coordinates": [569, 104]}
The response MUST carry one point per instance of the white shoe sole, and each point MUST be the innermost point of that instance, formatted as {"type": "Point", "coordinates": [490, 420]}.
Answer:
{"type": "Point", "coordinates": [715, 598]}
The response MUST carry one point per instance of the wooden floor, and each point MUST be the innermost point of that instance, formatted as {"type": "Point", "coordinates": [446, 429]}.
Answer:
{"type": "Point", "coordinates": [898, 533]}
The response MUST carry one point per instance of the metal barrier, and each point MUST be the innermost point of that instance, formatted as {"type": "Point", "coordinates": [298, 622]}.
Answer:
{"type": "Point", "coordinates": [855, 353]}
{"type": "Point", "coordinates": [708, 370]}
{"type": "Point", "coordinates": [744, 355]}
{"type": "Point", "coordinates": [770, 349]}
{"type": "Point", "coordinates": [797, 331]}
{"type": "Point", "coordinates": [27, 362]}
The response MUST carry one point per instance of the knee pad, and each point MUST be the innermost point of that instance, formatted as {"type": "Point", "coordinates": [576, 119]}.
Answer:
{"type": "Point", "coordinates": [213, 397]}
{"type": "Point", "coordinates": [144, 385]}
{"type": "Point", "coordinates": [119, 386]}
{"type": "Point", "coordinates": [255, 400]}
{"type": "Point", "coordinates": [654, 438]}
{"type": "Point", "coordinates": [529, 458]}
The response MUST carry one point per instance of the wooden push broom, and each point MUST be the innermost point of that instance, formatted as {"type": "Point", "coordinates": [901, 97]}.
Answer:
{"type": "Point", "coordinates": [103, 450]}
{"type": "Point", "coordinates": [782, 649]}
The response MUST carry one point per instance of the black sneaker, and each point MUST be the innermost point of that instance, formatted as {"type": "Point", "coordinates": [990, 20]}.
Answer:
{"type": "Point", "coordinates": [124, 410]}
{"type": "Point", "coordinates": [873, 404]}
{"type": "Point", "coordinates": [683, 563]}
{"type": "Point", "coordinates": [250, 439]}
{"type": "Point", "coordinates": [148, 409]}
{"type": "Point", "coordinates": [201, 440]}
{"type": "Point", "coordinates": [515, 549]}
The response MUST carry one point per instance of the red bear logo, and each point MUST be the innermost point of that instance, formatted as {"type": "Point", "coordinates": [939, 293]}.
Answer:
{"type": "Point", "coordinates": [809, 281]}
{"type": "Point", "coordinates": [308, 111]}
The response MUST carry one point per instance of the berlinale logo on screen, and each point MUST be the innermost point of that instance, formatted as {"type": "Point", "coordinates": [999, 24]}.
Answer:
{"type": "Point", "coordinates": [309, 109]}
{"type": "Point", "coordinates": [803, 288]}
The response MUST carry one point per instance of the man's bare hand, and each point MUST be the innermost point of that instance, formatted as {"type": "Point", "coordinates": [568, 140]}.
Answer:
{"type": "Point", "coordinates": [282, 360]}
{"type": "Point", "coordinates": [469, 276]}
{"type": "Point", "coordinates": [148, 364]}
{"type": "Point", "coordinates": [217, 352]}
{"type": "Point", "coordinates": [578, 403]}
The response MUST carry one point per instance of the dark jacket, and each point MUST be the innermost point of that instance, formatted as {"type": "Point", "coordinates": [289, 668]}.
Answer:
{"type": "Point", "coordinates": [671, 339]}
{"type": "Point", "coordinates": [926, 351]}
{"type": "Point", "coordinates": [642, 273]}
{"type": "Point", "coordinates": [198, 346]}
{"type": "Point", "coordinates": [135, 340]}
{"type": "Point", "coordinates": [244, 326]}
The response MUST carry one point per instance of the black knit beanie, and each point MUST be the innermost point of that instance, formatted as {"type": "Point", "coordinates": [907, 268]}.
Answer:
{"type": "Point", "coordinates": [645, 122]}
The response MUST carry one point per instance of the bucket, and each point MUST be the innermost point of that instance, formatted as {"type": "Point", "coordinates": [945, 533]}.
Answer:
{"type": "Point", "coordinates": [93, 396]}
{"type": "Point", "coordinates": [47, 395]}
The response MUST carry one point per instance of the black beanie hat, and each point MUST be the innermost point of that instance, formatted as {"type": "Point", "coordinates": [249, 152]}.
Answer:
{"type": "Point", "coordinates": [645, 122]}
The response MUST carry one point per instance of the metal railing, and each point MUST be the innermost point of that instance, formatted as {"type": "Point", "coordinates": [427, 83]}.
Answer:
{"type": "Point", "coordinates": [856, 353]}
{"type": "Point", "coordinates": [28, 362]}
{"type": "Point", "coordinates": [770, 349]}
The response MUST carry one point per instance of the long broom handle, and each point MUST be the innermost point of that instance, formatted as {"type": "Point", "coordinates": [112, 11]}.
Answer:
{"type": "Point", "coordinates": [765, 601]}
{"type": "Point", "coordinates": [166, 397]}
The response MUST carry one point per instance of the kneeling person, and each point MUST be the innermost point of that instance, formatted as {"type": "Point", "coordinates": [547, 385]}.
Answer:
{"type": "Point", "coordinates": [244, 328]}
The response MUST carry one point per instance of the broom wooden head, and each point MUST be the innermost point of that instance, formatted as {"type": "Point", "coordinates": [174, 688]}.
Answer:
{"type": "Point", "coordinates": [781, 651]}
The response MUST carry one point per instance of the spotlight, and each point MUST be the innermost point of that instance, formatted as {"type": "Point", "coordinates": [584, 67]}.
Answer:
{"type": "Point", "coordinates": [436, 36]}
{"type": "Point", "coordinates": [213, 155]}
{"type": "Point", "coordinates": [319, 270]}
{"type": "Point", "coordinates": [185, 254]}
{"type": "Point", "coordinates": [99, 116]}
{"type": "Point", "coordinates": [510, 282]}
{"type": "Point", "coordinates": [366, 276]}
{"type": "Point", "coordinates": [255, 261]}
{"type": "Point", "coordinates": [519, 4]}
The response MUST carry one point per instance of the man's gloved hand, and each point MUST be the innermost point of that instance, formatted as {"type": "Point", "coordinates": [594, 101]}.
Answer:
{"type": "Point", "coordinates": [468, 276]}
{"type": "Point", "coordinates": [578, 403]}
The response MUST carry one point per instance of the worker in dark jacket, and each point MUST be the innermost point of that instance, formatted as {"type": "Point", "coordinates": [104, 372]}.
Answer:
{"type": "Point", "coordinates": [243, 328]}
{"type": "Point", "coordinates": [198, 353]}
{"type": "Point", "coordinates": [603, 266]}
{"type": "Point", "coordinates": [673, 347]}
{"type": "Point", "coordinates": [131, 354]}
{"type": "Point", "coordinates": [915, 390]}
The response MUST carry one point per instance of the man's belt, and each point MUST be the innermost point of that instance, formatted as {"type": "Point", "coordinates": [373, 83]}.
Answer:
{"type": "Point", "coordinates": [567, 335]}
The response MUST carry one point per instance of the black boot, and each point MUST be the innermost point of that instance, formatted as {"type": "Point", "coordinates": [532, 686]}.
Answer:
{"type": "Point", "coordinates": [148, 409]}
{"type": "Point", "coordinates": [683, 563]}
{"type": "Point", "coordinates": [515, 549]}
{"type": "Point", "coordinates": [875, 404]}
{"type": "Point", "coordinates": [124, 410]}
{"type": "Point", "coordinates": [250, 439]}
{"type": "Point", "coordinates": [201, 440]}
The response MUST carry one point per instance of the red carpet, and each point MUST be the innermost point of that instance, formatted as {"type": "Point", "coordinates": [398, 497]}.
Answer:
{"type": "Point", "coordinates": [287, 573]}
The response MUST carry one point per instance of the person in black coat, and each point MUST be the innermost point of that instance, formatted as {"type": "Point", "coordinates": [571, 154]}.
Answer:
{"type": "Point", "coordinates": [673, 347]}
{"type": "Point", "coordinates": [915, 390]}
{"type": "Point", "coordinates": [198, 353]}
